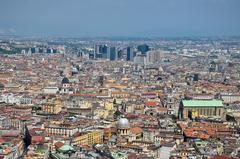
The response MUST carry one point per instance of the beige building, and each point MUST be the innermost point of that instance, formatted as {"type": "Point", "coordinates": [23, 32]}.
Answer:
{"type": "Point", "coordinates": [201, 108]}
{"type": "Point", "coordinates": [230, 98]}
{"type": "Point", "coordinates": [52, 106]}
{"type": "Point", "coordinates": [59, 128]}
{"type": "Point", "coordinates": [88, 138]}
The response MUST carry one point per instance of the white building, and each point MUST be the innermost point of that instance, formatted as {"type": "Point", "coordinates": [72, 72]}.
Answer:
{"type": "Point", "coordinates": [153, 57]}
{"type": "Point", "coordinates": [10, 98]}
{"type": "Point", "coordinates": [230, 98]}
{"type": "Point", "coordinates": [50, 90]}
{"type": "Point", "coordinates": [140, 59]}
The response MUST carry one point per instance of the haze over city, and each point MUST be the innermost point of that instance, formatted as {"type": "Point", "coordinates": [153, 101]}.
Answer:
{"type": "Point", "coordinates": [120, 18]}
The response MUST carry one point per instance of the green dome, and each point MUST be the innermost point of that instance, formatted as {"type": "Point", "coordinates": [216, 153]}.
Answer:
{"type": "Point", "coordinates": [65, 148]}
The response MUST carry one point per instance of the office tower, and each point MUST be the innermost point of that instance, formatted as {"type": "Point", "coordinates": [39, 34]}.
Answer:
{"type": "Point", "coordinates": [120, 54]}
{"type": "Point", "coordinates": [36, 50]}
{"type": "Point", "coordinates": [96, 51]}
{"type": "Point", "coordinates": [103, 51]}
{"type": "Point", "coordinates": [130, 54]}
{"type": "Point", "coordinates": [33, 50]}
{"type": "Point", "coordinates": [40, 50]}
{"type": "Point", "coordinates": [143, 48]}
{"type": "Point", "coordinates": [112, 54]}
{"type": "Point", "coordinates": [153, 57]}
{"type": "Point", "coordinates": [100, 51]}
{"type": "Point", "coordinates": [49, 50]}
{"type": "Point", "coordinates": [29, 52]}
{"type": "Point", "coordinates": [54, 50]}
{"type": "Point", "coordinates": [140, 60]}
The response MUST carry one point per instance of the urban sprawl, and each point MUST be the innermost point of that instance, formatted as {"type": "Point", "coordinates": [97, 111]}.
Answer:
{"type": "Point", "coordinates": [70, 98]}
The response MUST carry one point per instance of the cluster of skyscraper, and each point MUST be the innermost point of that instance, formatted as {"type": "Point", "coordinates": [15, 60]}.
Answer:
{"type": "Point", "coordinates": [111, 53]}
{"type": "Point", "coordinates": [104, 51]}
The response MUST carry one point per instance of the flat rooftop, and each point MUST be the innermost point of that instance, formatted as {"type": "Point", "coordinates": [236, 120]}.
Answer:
{"type": "Point", "coordinates": [202, 103]}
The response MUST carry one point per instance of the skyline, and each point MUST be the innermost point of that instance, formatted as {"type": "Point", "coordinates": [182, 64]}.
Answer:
{"type": "Point", "coordinates": [105, 18]}
{"type": "Point", "coordinates": [119, 79]}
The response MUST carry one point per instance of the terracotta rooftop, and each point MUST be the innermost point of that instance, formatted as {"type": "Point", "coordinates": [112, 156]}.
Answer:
{"type": "Point", "coordinates": [151, 104]}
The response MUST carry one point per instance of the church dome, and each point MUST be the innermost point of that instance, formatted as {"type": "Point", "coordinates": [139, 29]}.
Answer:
{"type": "Point", "coordinates": [65, 80]}
{"type": "Point", "coordinates": [123, 123]}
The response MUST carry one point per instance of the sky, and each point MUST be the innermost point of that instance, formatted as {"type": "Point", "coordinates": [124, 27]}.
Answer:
{"type": "Point", "coordinates": [120, 18]}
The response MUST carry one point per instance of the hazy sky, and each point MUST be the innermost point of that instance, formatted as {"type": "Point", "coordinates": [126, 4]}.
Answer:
{"type": "Point", "coordinates": [135, 18]}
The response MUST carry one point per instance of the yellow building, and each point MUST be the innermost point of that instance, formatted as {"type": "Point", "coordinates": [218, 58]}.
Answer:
{"type": "Point", "coordinates": [108, 105]}
{"type": "Point", "coordinates": [52, 106]}
{"type": "Point", "coordinates": [88, 138]}
{"type": "Point", "coordinates": [120, 94]}
{"type": "Point", "coordinates": [85, 104]}
{"type": "Point", "coordinates": [101, 113]}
